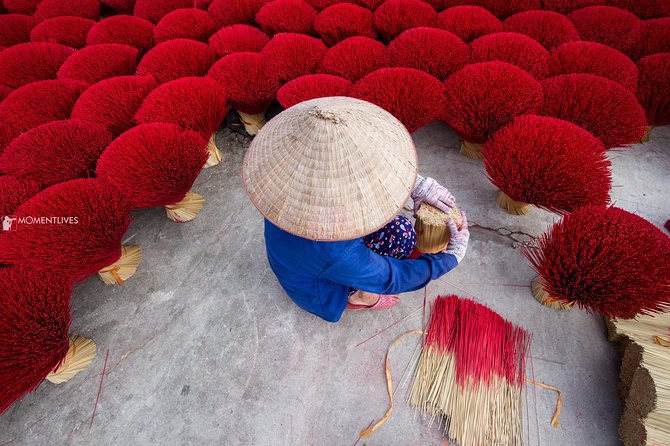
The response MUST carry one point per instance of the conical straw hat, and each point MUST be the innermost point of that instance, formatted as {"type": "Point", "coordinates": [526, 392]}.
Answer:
{"type": "Point", "coordinates": [331, 169]}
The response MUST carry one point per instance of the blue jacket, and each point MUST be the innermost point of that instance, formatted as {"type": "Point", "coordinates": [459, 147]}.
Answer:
{"type": "Point", "coordinates": [317, 275]}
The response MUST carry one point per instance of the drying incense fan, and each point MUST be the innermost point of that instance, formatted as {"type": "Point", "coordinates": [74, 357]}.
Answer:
{"type": "Point", "coordinates": [177, 58]}
{"type": "Point", "coordinates": [654, 90]}
{"type": "Point", "coordinates": [549, 28]}
{"type": "Point", "coordinates": [16, 28]}
{"type": "Point", "coordinates": [354, 57]}
{"type": "Point", "coordinates": [344, 20]}
{"type": "Point", "coordinates": [189, 23]}
{"type": "Point", "coordinates": [47, 9]}
{"type": "Point", "coordinates": [238, 39]}
{"type": "Point", "coordinates": [124, 29]}
{"type": "Point", "coordinates": [34, 322]}
{"type": "Point", "coordinates": [312, 86]}
{"type": "Point", "coordinates": [73, 229]}
{"type": "Point", "coordinates": [393, 17]}
{"type": "Point", "coordinates": [26, 63]}
{"type": "Point", "coordinates": [97, 62]}
{"type": "Point", "coordinates": [155, 10]}
{"type": "Point", "coordinates": [194, 103]}
{"type": "Point", "coordinates": [513, 48]}
{"type": "Point", "coordinates": [69, 31]}
{"type": "Point", "coordinates": [287, 16]}
{"type": "Point", "coordinates": [468, 22]}
{"type": "Point", "coordinates": [234, 12]}
{"type": "Point", "coordinates": [604, 259]}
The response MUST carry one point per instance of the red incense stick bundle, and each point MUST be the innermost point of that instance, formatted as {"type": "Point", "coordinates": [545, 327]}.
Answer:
{"type": "Point", "coordinates": [74, 229]}
{"type": "Point", "coordinates": [483, 97]}
{"type": "Point", "coordinates": [97, 62]}
{"type": "Point", "coordinates": [69, 31]}
{"type": "Point", "coordinates": [354, 57]}
{"type": "Point", "coordinates": [287, 16]}
{"type": "Point", "coordinates": [601, 106]}
{"type": "Point", "coordinates": [594, 58]}
{"type": "Point", "coordinates": [344, 20]}
{"type": "Point", "coordinates": [155, 10]}
{"type": "Point", "coordinates": [16, 28]}
{"type": "Point", "coordinates": [177, 58]}
{"type": "Point", "coordinates": [644, 9]}
{"type": "Point", "coordinates": [654, 38]}
{"type": "Point", "coordinates": [471, 373]}
{"type": "Point", "coordinates": [603, 259]}
{"type": "Point", "coordinates": [88, 9]}
{"type": "Point", "coordinates": [312, 86]}
{"type": "Point", "coordinates": [395, 16]}
{"type": "Point", "coordinates": [548, 163]}
{"type": "Point", "coordinates": [238, 39]}
{"type": "Point", "coordinates": [567, 6]}
{"type": "Point", "coordinates": [155, 165]}
{"type": "Point", "coordinates": [21, 6]}
{"type": "Point", "coordinates": [34, 324]}
{"type": "Point", "coordinates": [503, 8]}
{"type": "Point", "coordinates": [26, 107]}
{"type": "Point", "coordinates": [654, 90]}
{"type": "Point", "coordinates": [608, 25]}
{"type": "Point", "coordinates": [468, 22]}
{"type": "Point", "coordinates": [549, 28]}
{"type": "Point", "coordinates": [434, 51]}
{"type": "Point", "coordinates": [412, 96]}
{"type": "Point", "coordinates": [14, 192]}
{"type": "Point", "coordinates": [250, 84]}
{"type": "Point", "coordinates": [194, 103]}
{"type": "Point", "coordinates": [516, 49]}
{"type": "Point", "coordinates": [189, 23]}
{"type": "Point", "coordinates": [56, 152]}
{"type": "Point", "coordinates": [113, 102]}
{"type": "Point", "coordinates": [293, 55]}
{"type": "Point", "coordinates": [25, 63]}
{"type": "Point", "coordinates": [235, 12]}
{"type": "Point", "coordinates": [128, 30]}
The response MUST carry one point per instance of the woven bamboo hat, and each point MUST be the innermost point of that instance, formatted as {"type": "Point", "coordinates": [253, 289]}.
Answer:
{"type": "Point", "coordinates": [331, 169]}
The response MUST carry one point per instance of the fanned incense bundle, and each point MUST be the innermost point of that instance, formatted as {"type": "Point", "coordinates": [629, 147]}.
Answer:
{"type": "Point", "coordinates": [644, 9]}
{"type": "Point", "coordinates": [608, 25]}
{"type": "Point", "coordinates": [471, 373]}
{"type": "Point", "coordinates": [432, 232]}
{"type": "Point", "coordinates": [21, 6]}
{"type": "Point", "coordinates": [412, 96]}
{"type": "Point", "coordinates": [287, 16]}
{"type": "Point", "coordinates": [654, 90]}
{"type": "Point", "coordinates": [88, 9]}
{"type": "Point", "coordinates": [603, 107]}
{"type": "Point", "coordinates": [505, 8]}
{"type": "Point", "coordinates": [567, 6]}
{"type": "Point", "coordinates": [69, 31]}
{"type": "Point", "coordinates": [483, 97]}
{"type": "Point", "coordinates": [344, 20]}
{"type": "Point", "coordinates": [73, 228]}
{"type": "Point", "coordinates": [189, 23]}
{"type": "Point", "coordinates": [434, 51]}
{"type": "Point", "coordinates": [125, 29]}
{"type": "Point", "coordinates": [513, 48]}
{"type": "Point", "coordinates": [56, 152]}
{"type": "Point", "coordinates": [354, 57]}
{"type": "Point", "coordinates": [548, 163]}
{"type": "Point", "coordinates": [293, 55]}
{"type": "Point", "coordinates": [235, 12]}
{"type": "Point", "coordinates": [395, 16]}
{"type": "Point", "coordinates": [30, 62]}
{"type": "Point", "coordinates": [250, 84]}
{"type": "Point", "coordinates": [238, 39]}
{"type": "Point", "coordinates": [14, 192]}
{"type": "Point", "coordinates": [6, 136]}
{"type": "Point", "coordinates": [654, 38]}
{"type": "Point", "coordinates": [604, 259]}
{"type": "Point", "coordinates": [155, 165]}
{"type": "Point", "coordinates": [155, 10]}
{"type": "Point", "coordinates": [312, 86]}
{"type": "Point", "coordinates": [549, 28]}
{"type": "Point", "coordinates": [468, 22]}
{"type": "Point", "coordinates": [194, 103]}
{"type": "Point", "coordinates": [34, 323]}
{"type": "Point", "coordinates": [16, 28]}
{"type": "Point", "coordinates": [26, 107]}
{"type": "Point", "coordinates": [113, 102]}
{"type": "Point", "coordinates": [177, 58]}
{"type": "Point", "coordinates": [97, 62]}
{"type": "Point", "coordinates": [594, 58]}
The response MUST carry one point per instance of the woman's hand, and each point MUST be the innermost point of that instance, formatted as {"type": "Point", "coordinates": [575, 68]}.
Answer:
{"type": "Point", "coordinates": [427, 190]}
{"type": "Point", "coordinates": [458, 244]}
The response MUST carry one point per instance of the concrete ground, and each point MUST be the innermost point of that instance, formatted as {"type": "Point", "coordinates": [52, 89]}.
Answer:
{"type": "Point", "coordinates": [203, 347]}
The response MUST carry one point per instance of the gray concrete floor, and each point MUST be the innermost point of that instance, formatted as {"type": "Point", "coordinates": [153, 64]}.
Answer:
{"type": "Point", "coordinates": [204, 347]}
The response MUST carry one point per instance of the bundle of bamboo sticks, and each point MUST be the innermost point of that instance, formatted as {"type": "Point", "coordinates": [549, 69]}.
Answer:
{"type": "Point", "coordinates": [644, 381]}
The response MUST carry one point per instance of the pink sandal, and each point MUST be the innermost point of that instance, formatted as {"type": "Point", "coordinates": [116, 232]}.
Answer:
{"type": "Point", "coordinates": [385, 301]}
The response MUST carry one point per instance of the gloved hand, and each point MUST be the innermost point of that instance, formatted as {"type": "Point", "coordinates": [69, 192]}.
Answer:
{"type": "Point", "coordinates": [427, 190]}
{"type": "Point", "coordinates": [459, 238]}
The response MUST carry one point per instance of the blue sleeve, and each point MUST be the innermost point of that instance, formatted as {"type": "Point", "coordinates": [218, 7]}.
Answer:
{"type": "Point", "coordinates": [366, 270]}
